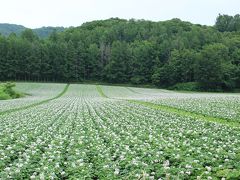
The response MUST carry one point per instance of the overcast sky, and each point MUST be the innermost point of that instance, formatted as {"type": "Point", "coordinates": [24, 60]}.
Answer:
{"type": "Point", "coordinates": [38, 13]}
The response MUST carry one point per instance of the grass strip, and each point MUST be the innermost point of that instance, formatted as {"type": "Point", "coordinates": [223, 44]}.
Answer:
{"type": "Point", "coordinates": [37, 103]}
{"type": "Point", "coordinates": [187, 113]}
{"type": "Point", "coordinates": [100, 91]}
{"type": "Point", "coordinates": [180, 112]}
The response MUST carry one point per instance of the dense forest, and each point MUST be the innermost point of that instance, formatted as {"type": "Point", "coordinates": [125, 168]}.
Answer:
{"type": "Point", "coordinates": [129, 51]}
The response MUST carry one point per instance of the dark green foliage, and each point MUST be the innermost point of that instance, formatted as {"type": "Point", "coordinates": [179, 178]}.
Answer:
{"type": "Point", "coordinates": [214, 68]}
{"type": "Point", "coordinates": [143, 54]}
{"type": "Point", "coordinates": [135, 51]}
{"type": "Point", "coordinates": [178, 68]}
{"type": "Point", "coordinates": [228, 23]}
{"type": "Point", "coordinates": [189, 86]}
{"type": "Point", "coordinates": [29, 35]}
{"type": "Point", "coordinates": [44, 32]}
{"type": "Point", "coordinates": [118, 68]}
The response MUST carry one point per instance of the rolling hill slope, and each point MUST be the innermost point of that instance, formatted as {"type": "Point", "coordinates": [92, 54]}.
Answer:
{"type": "Point", "coordinates": [43, 32]}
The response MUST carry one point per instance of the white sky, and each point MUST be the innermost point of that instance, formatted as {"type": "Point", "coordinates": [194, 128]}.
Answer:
{"type": "Point", "coordinates": [38, 13]}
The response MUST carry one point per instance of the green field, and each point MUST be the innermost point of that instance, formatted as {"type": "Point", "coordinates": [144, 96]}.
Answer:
{"type": "Point", "coordinates": [76, 131]}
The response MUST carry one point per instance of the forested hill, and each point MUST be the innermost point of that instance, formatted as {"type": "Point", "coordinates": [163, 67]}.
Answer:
{"type": "Point", "coordinates": [129, 51]}
{"type": "Point", "coordinates": [6, 29]}
{"type": "Point", "coordinates": [43, 32]}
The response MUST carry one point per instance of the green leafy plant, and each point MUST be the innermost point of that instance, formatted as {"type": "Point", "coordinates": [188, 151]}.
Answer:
{"type": "Point", "coordinates": [7, 91]}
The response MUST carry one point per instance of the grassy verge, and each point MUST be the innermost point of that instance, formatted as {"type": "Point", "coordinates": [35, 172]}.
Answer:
{"type": "Point", "coordinates": [36, 104]}
{"type": "Point", "coordinates": [188, 113]}
{"type": "Point", "coordinates": [180, 112]}
{"type": "Point", "coordinates": [100, 91]}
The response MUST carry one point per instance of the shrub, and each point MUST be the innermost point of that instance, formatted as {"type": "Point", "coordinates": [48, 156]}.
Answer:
{"type": "Point", "coordinates": [188, 86]}
{"type": "Point", "coordinates": [7, 91]}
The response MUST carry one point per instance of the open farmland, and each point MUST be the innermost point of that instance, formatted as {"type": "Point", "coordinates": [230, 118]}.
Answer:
{"type": "Point", "coordinates": [220, 105]}
{"type": "Point", "coordinates": [36, 92]}
{"type": "Point", "coordinates": [61, 131]}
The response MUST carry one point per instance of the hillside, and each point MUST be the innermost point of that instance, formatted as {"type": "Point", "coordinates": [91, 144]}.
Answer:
{"type": "Point", "coordinates": [173, 54]}
{"type": "Point", "coordinates": [43, 32]}
{"type": "Point", "coordinates": [6, 29]}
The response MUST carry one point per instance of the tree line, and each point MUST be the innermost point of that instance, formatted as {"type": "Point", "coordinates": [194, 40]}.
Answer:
{"type": "Point", "coordinates": [128, 51]}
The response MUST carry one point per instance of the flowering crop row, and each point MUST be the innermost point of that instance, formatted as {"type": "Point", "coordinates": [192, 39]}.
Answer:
{"type": "Point", "coordinates": [223, 105]}
{"type": "Point", "coordinates": [83, 135]}
{"type": "Point", "coordinates": [35, 92]}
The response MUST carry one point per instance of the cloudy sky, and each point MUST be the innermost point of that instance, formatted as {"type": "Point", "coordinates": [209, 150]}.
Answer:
{"type": "Point", "coordinates": [38, 13]}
